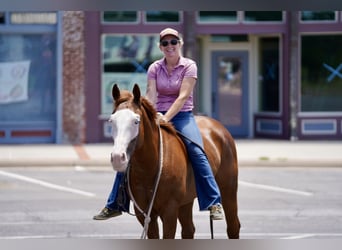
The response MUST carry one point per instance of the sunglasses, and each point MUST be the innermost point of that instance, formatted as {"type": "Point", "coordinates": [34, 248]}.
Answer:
{"type": "Point", "coordinates": [164, 43]}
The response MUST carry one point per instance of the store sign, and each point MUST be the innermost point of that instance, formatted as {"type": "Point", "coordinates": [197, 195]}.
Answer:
{"type": "Point", "coordinates": [14, 81]}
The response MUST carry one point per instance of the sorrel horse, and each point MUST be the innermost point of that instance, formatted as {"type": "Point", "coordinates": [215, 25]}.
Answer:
{"type": "Point", "coordinates": [137, 135]}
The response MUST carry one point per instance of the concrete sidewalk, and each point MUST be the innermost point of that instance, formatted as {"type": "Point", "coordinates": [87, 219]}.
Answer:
{"type": "Point", "coordinates": [251, 152]}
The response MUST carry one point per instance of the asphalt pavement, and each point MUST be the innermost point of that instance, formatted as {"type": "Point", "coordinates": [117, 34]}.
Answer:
{"type": "Point", "coordinates": [251, 152]}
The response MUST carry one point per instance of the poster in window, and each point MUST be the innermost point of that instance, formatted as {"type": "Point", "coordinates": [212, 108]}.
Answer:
{"type": "Point", "coordinates": [14, 81]}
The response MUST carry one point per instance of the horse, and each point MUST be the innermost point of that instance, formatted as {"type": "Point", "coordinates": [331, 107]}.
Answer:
{"type": "Point", "coordinates": [160, 177]}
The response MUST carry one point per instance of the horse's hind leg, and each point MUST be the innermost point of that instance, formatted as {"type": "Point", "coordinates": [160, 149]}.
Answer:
{"type": "Point", "coordinates": [186, 221]}
{"type": "Point", "coordinates": [230, 206]}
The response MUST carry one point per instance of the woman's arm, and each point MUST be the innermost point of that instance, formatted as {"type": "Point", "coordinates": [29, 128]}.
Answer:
{"type": "Point", "coordinates": [187, 87]}
{"type": "Point", "coordinates": [151, 91]}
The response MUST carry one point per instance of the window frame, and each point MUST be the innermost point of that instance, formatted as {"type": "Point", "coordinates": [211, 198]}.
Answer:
{"type": "Point", "coordinates": [302, 112]}
{"type": "Point", "coordinates": [243, 15]}
{"type": "Point", "coordinates": [317, 21]}
{"type": "Point", "coordinates": [198, 21]}
{"type": "Point", "coordinates": [145, 22]}
{"type": "Point", "coordinates": [103, 22]}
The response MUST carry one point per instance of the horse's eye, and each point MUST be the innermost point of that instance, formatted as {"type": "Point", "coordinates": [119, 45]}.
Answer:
{"type": "Point", "coordinates": [136, 122]}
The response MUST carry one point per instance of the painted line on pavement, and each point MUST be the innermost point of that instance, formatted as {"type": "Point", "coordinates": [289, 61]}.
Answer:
{"type": "Point", "coordinates": [299, 236]}
{"type": "Point", "coordinates": [46, 184]}
{"type": "Point", "coordinates": [274, 188]}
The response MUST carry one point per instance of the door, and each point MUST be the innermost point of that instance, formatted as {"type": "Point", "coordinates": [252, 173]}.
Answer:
{"type": "Point", "coordinates": [230, 90]}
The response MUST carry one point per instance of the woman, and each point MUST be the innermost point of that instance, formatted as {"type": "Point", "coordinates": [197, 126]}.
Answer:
{"type": "Point", "coordinates": [170, 84]}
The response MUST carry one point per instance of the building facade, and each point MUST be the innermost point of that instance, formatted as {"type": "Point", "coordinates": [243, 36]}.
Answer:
{"type": "Point", "coordinates": [263, 74]}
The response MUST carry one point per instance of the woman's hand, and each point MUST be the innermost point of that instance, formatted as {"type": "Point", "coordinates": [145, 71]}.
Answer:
{"type": "Point", "coordinates": [161, 118]}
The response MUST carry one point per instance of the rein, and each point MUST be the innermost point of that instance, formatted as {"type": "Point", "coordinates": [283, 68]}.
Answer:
{"type": "Point", "coordinates": [160, 166]}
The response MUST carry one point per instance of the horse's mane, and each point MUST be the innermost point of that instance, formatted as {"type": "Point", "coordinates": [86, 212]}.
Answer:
{"type": "Point", "coordinates": [152, 115]}
{"type": "Point", "coordinates": [127, 97]}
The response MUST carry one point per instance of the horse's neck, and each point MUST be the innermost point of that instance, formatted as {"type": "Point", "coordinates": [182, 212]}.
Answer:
{"type": "Point", "coordinates": [145, 158]}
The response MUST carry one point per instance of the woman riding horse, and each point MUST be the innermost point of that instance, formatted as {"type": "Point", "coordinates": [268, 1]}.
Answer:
{"type": "Point", "coordinates": [170, 85]}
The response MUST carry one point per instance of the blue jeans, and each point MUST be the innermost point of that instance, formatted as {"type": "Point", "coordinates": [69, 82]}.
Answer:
{"type": "Point", "coordinates": [112, 202]}
{"type": "Point", "coordinates": [208, 193]}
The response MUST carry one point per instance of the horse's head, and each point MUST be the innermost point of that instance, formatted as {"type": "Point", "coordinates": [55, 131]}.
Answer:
{"type": "Point", "coordinates": [125, 122]}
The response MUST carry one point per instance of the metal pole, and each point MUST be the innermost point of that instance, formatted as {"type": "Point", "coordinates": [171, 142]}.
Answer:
{"type": "Point", "coordinates": [211, 228]}
{"type": "Point", "coordinates": [294, 65]}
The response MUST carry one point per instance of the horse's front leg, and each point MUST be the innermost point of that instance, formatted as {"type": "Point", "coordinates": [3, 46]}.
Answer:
{"type": "Point", "coordinates": [169, 220]}
{"type": "Point", "coordinates": [153, 229]}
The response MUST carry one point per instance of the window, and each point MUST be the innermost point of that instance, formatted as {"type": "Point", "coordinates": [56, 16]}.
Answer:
{"type": "Point", "coordinates": [263, 16]}
{"type": "Point", "coordinates": [229, 38]}
{"type": "Point", "coordinates": [162, 16]}
{"type": "Point", "coordinates": [321, 73]}
{"type": "Point", "coordinates": [27, 77]}
{"type": "Point", "coordinates": [2, 17]}
{"type": "Point", "coordinates": [317, 16]}
{"type": "Point", "coordinates": [217, 16]}
{"type": "Point", "coordinates": [269, 74]}
{"type": "Point", "coordinates": [120, 16]}
{"type": "Point", "coordinates": [33, 18]}
{"type": "Point", "coordinates": [125, 60]}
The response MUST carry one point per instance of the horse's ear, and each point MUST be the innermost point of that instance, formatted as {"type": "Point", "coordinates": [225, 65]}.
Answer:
{"type": "Point", "coordinates": [136, 94]}
{"type": "Point", "coordinates": [115, 92]}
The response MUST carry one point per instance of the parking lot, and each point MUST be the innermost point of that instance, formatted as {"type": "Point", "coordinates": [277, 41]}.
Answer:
{"type": "Point", "coordinates": [274, 203]}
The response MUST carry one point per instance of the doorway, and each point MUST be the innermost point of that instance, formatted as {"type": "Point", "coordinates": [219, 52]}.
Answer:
{"type": "Point", "coordinates": [230, 90]}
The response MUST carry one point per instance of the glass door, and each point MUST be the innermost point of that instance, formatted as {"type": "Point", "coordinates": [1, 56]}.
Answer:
{"type": "Point", "coordinates": [230, 90]}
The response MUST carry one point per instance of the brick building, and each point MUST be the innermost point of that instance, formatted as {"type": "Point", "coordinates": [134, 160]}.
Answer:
{"type": "Point", "coordinates": [263, 74]}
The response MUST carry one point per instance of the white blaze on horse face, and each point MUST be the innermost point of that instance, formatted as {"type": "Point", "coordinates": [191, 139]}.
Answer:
{"type": "Point", "coordinates": [125, 128]}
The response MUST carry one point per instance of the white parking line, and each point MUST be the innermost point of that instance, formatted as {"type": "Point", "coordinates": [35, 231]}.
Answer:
{"type": "Point", "coordinates": [274, 188]}
{"type": "Point", "coordinates": [46, 184]}
{"type": "Point", "coordinates": [299, 236]}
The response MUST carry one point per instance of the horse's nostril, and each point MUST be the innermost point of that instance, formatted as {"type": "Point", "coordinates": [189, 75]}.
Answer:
{"type": "Point", "coordinates": [123, 157]}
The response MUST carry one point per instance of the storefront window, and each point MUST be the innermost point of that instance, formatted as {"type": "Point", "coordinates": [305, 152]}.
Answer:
{"type": "Point", "coordinates": [217, 16]}
{"type": "Point", "coordinates": [321, 73]}
{"type": "Point", "coordinates": [125, 60]}
{"type": "Point", "coordinates": [2, 17]}
{"type": "Point", "coordinates": [120, 16]}
{"type": "Point", "coordinates": [263, 16]}
{"type": "Point", "coordinates": [33, 17]}
{"type": "Point", "coordinates": [162, 16]}
{"type": "Point", "coordinates": [317, 16]}
{"type": "Point", "coordinates": [269, 74]}
{"type": "Point", "coordinates": [27, 77]}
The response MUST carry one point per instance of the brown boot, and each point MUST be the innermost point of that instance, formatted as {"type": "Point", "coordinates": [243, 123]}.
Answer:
{"type": "Point", "coordinates": [107, 213]}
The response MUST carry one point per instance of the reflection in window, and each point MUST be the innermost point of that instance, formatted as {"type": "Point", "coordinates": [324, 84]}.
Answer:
{"type": "Point", "coordinates": [162, 16]}
{"type": "Point", "coordinates": [263, 16]}
{"type": "Point", "coordinates": [120, 16]}
{"type": "Point", "coordinates": [2, 17]}
{"type": "Point", "coordinates": [33, 18]}
{"type": "Point", "coordinates": [217, 16]}
{"type": "Point", "coordinates": [317, 16]}
{"type": "Point", "coordinates": [32, 98]}
{"type": "Point", "coordinates": [269, 74]}
{"type": "Point", "coordinates": [125, 60]}
{"type": "Point", "coordinates": [321, 73]}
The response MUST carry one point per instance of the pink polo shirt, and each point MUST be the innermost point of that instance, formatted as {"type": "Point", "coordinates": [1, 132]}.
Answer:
{"type": "Point", "coordinates": [168, 86]}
